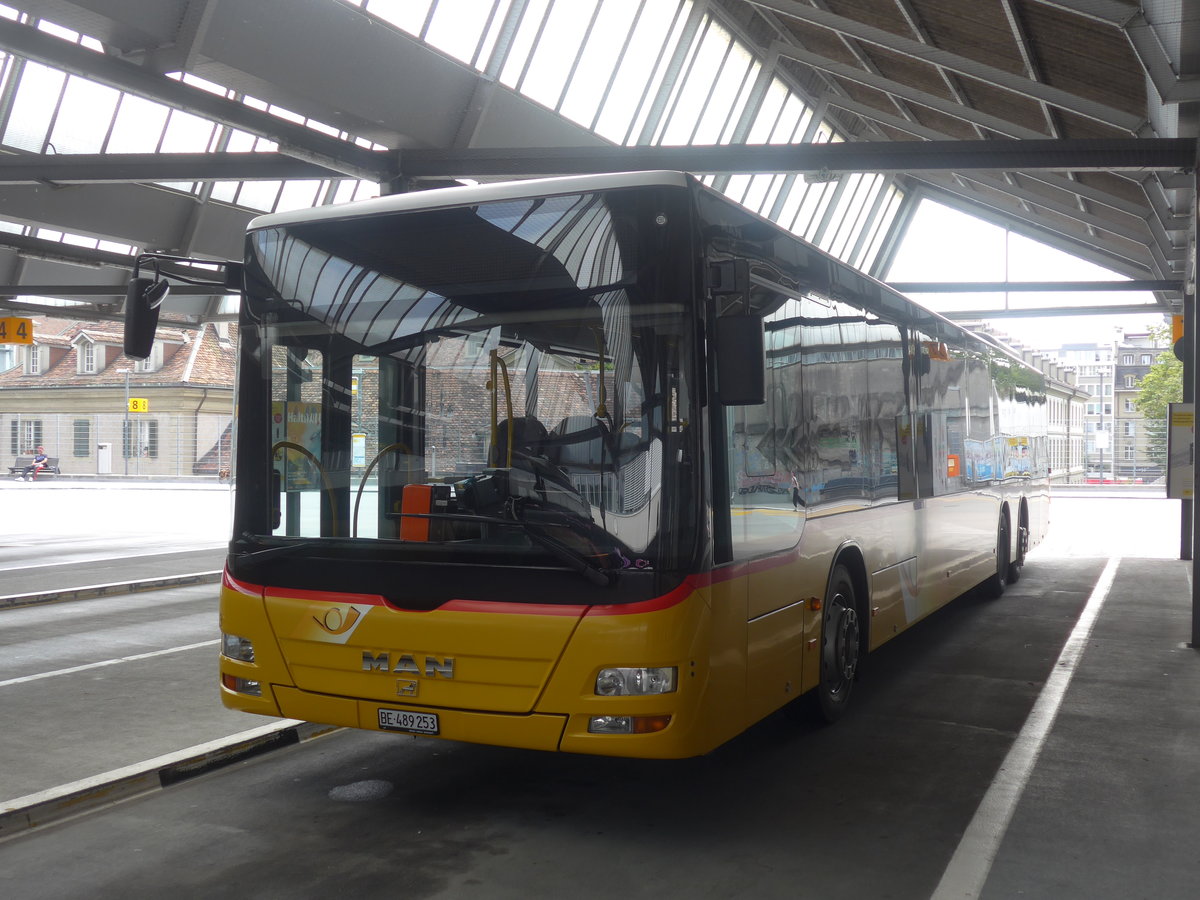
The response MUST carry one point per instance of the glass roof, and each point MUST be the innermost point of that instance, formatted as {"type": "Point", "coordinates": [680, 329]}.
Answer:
{"type": "Point", "coordinates": [645, 72]}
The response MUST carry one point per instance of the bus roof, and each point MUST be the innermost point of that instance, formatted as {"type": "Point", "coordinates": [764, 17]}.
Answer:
{"type": "Point", "coordinates": [469, 194]}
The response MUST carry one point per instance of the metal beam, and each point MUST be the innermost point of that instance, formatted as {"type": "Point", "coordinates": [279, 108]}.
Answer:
{"type": "Point", "coordinates": [966, 315]}
{"type": "Point", "coordinates": [293, 140]}
{"type": "Point", "coordinates": [1121, 154]}
{"type": "Point", "coordinates": [73, 291]}
{"type": "Point", "coordinates": [1017, 287]}
{"type": "Point", "coordinates": [98, 168]}
{"type": "Point", "coordinates": [1170, 222]}
{"type": "Point", "coordinates": [943, 59]}
{"type": "Point", "coordinates": [88, 314]}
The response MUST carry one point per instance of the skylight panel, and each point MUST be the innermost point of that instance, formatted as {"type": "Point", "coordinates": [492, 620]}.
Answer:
{"type": "Point", "coordinates": [84, 117]}
{"type": "Point", "coordinates": [606, 45]}
{"type": "Point", "coordinates": [555, 51]}
{"type": "Point", "coordinates": [138, 126]}
{"type": "Point", "coordinates": [407, 15]}
{"type": "Point", "coordinates": [457, 27]}
{"type": "Point", "coordinates": [186, 133]}
{"type": "Point", "coordinates": [33, 107]}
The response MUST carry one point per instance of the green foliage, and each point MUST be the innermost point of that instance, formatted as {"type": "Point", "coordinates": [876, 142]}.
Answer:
{"type": "Point", "coordinates": [1162, 385]}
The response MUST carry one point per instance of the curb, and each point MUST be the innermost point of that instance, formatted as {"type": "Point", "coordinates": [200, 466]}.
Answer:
{"type": "Point", "coordinates": [92, 591]}
{"type": "Point", "coordinates": [77, 798]}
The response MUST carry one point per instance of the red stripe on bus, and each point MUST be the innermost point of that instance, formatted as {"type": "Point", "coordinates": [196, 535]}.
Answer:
{"type": "Point", "coordinates": [241, 587]}
{"type": "Point", "coordinates": [509, 608]}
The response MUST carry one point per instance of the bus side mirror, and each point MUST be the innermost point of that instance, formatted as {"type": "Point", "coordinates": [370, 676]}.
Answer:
{"type": "Point", "coordinates": [741, 361]}
{"type": "Point", "coordinates": [740, 346]}
{"type": "Point", "coordinates": [143, 298]}
{"type": "Point", "coordinates": [739, 343]}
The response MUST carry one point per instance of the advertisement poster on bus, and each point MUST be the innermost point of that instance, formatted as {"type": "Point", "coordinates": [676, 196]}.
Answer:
{"type": "Point", "coordinates": [980, 465]}
{"type": "Point", "coordinates": [297, 427]}
{"type": "Point", "coordinates": [1017, 461]}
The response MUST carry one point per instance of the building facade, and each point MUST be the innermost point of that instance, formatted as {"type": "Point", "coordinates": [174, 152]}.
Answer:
{"type": "Point", "coordinates": [69, 391]}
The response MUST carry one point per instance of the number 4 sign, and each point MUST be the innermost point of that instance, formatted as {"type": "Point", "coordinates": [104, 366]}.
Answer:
{"type": "Point", "coordinates": [16, 331]}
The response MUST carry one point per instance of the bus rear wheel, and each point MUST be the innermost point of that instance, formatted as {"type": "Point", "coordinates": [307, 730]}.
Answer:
{"type": "Point", "coordinates": [840, 646]}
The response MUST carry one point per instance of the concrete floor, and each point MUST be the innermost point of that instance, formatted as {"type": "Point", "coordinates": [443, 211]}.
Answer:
{"type": "Point", "coordinates": [953, 776]}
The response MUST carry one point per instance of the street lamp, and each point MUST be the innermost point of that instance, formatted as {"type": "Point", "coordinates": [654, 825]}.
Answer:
{"type": "Point", "coordinates": [125, 433]}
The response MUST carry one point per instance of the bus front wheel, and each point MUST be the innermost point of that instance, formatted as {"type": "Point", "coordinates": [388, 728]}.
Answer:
{"type": "Point", "coordinates": [840, 645]}
{"type": "Point", "coordinates": [994, 586]}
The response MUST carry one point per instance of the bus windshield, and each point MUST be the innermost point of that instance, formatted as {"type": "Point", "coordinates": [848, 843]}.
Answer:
{"type": "Point", "coordinates": [484, 384]}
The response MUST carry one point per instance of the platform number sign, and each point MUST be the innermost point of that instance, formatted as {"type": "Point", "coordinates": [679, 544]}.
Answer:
{"type": "Point", "coordinates": [16, 331]}
{"type": "Point", "coordinates": [139, 404]}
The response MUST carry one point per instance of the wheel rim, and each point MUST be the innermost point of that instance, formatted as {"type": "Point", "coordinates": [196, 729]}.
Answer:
{"type": "Point", "coordinates": [841, 646]}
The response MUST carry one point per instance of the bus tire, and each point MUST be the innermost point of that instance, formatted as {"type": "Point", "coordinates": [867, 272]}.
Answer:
{"type": "Point", "coordinates": [841, 645]}
{"type": "Point", "coordinates": [1014, 568]}
{"type": "Point", "coordinates": [994, 586]}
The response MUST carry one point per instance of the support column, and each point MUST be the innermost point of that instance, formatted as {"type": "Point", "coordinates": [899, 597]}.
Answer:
{"type": "Point", "coordinates": [1188, 342]}
{"type": "Point", "coordinates": [1189, 303]}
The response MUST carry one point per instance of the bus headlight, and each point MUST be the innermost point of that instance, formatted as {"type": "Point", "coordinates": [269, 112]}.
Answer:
{"type": "Point", "coordinates": [628, 682]}
{"type": "Point", "coordinates": [627, 724]}
{"type": "Point", "coordinates": [239, 648]}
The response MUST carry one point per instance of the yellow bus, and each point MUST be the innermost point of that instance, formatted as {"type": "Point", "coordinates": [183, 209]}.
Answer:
{"type": "Point", "coordinates": [602, 464]}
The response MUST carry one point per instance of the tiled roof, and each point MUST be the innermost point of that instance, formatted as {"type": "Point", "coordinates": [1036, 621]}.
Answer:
{"type": "Point", "coordinates": [190, 356]}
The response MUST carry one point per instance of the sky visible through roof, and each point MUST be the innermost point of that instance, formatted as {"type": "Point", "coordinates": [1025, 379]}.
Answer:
{"type": "Point", "coordinates": [943, 244]}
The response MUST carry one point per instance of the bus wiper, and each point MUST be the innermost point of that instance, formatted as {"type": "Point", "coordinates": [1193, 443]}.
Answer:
{"type": "Point", "coordinates": [271, 552]}
{"type": "Point", "coordinates": [532, 521]}
{"type": "Point", "coordinates": [572, 557]}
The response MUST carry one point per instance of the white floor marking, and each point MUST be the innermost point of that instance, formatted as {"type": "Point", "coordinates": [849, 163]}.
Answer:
{"type": "Point", "coordinates": [968, 870]}
{"type": "Point", "coordinates": [107, 662]}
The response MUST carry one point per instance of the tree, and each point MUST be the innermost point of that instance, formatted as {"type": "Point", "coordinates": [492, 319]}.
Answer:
{"type": "Point", "coordinates": [1162, 385]}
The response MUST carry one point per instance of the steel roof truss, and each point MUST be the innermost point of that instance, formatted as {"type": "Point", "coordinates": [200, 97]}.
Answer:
{"type": "Point", "coordinates": [1022, 86]}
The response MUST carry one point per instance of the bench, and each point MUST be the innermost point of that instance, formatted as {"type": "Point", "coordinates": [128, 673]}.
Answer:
{"type": "Point", "coordinates": [51, 467]}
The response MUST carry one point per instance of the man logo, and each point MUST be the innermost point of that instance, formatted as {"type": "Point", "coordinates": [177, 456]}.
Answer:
{"type": "Point", "coordinates": [407, 664]}
{"type": "Point", "coordinates": [406, 688]}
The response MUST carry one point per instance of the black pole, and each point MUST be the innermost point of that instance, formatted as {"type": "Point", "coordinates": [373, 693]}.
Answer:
{"type": "Point", "coordinates": [1189, 303]}
{"type": "Point", "coordinates": [1189, 355]}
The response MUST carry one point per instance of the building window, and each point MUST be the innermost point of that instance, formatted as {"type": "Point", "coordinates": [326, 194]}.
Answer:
{"type": "Point", "coordinates": [34, 357]}
{"type": "Point", "coordinates": [1145, 359]}
{"type": "Point", "coordinates": [87, 358]}
{"type": "Point", "coordinates": [1130, 429]}
{"type": "Point", "coordinates": [81, 432]}
{"type": "Point", "coordinates": [140, 438]}
{"type": "Point", "coordinates": [1130, 406]}
{"type": "Point", "coordinates": [24, 436]}
{"type": "Point", "coordinates": [1127, 359]}
{"type": "Point", "coordinates": [1130, 381]}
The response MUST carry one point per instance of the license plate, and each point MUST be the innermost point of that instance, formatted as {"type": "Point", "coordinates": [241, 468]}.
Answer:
{"type": "Point", "coordinates": [412, 722]}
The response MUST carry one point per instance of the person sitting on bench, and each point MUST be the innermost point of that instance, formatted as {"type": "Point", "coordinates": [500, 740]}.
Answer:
{"type": "Point", "coordinates": [39, 462]}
